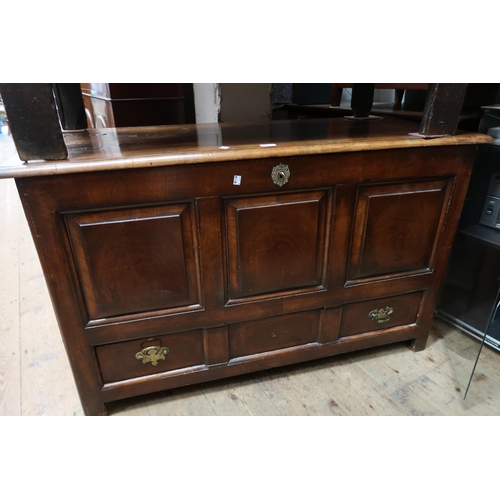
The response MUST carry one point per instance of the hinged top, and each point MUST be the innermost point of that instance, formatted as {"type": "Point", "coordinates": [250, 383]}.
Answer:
{"type": "Point", "coordinates": [141, 147]}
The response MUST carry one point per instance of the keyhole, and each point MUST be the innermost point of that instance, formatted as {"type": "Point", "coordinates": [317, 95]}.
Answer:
{"type": "Point", "coordinates": [280, 174]}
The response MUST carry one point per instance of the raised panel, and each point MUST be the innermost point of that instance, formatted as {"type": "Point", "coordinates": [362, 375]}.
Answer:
{"type": "Point", "coordinates": [135, 260]}
{"type": "Point", "coordinates": [277, 244]}
{"type": "Point", "coordinates": [397, 228]}
{"type": "Point", "coordinates": [271, 334]}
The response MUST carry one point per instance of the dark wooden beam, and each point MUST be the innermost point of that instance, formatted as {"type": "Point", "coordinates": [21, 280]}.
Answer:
{"type": "Point", "coordinates": [33, 121]}
{"type": "Point", "coordinates": [442, 109]}
{"type": "Point", "coordinates": [189, 110]}
{"type": "Point", "coordinates": [70, 106]}
{"type": "Point", "coordinates": [362, 99]}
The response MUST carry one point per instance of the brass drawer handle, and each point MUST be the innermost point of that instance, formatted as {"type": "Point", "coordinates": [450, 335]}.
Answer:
{"type": "Point", "coordinates": [280, 174]}
{"type": "Point", "coordinates": [381, 315]}
{"type": "Point", "coordinates": [152, 354]}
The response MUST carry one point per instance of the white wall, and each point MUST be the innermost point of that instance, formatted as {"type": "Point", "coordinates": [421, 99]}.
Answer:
{"type": "Point", "coordinates": [245, 102]}
{"type": "Point", "coordinates": [232, 102]}
{"type": "Point", "coordinates": [206, 102]}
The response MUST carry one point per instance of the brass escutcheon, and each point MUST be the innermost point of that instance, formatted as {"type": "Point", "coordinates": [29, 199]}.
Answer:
{"type": "Point", "coordinates": [280, 174]}
{"type": "Point", "coordinates": [152, 354]}
{"type": "Point", "coordinates": [381, 315]}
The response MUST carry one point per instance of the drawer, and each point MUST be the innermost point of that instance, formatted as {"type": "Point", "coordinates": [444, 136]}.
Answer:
{"type": "Point", "coordinates": [271, 334]}
{"type": "Point", "coordinates": [379, 314]}
{"type": "Point", "coordinates": [136, 358]}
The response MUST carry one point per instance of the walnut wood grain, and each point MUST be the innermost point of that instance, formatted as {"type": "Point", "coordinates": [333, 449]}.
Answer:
{"type": "Point", "coordinates": [356, 319]}
{"type": "Point", "coordinates": [179, 252]}
{"type": "Point", "coordinates": [277, 243]}
{"type": "Point", "coordinates": [143, 147]}
{"type": "Point", "coordinates": [272, 334]}
{"type": "Point", "coordinates": [396, 226]}
{"type": "Point", "coordinates": [119, 361]}
{"type": "Point", "coordinates": [216, 345]}
{"type": "Point", "coordinates": [156, 264]}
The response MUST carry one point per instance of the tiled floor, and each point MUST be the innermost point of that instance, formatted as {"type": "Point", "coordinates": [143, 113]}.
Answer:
{"type": "Point", "coordinates": [35, 377]}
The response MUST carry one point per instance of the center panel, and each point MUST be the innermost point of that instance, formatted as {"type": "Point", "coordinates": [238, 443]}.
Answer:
{"type": "Point", "coordinates": [277, 244]}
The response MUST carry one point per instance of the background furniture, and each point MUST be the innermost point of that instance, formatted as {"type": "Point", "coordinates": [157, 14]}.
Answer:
{"type": "Point", "coordinates": [471, 288]}
{"type": "Point", "coordinates": [312, 101]}
{"type": "Point", "coordinates": [137, 104]}
{"type": "Point", "coordinates": [399, 88]}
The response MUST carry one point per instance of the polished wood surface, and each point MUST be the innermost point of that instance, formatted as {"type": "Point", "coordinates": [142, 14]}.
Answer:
{"type": "Point", "coordinates": [119, 361]}
{"type": "Point", "coordinates": [395, 228]}
{"type": "Point", "coordinates": [143, 147]}
{"type": "Point", "coordinates": [156, 246]}
{"type": "Point", "coordinates": [36, 379]}
{"type": "Point", "coordinates": [271, 334]}
{"type": "Point", "coordinates": [239, 277]}
{"type": "Point", "coordinates": [276, 243]}
{"type": "Point", "coordinates": [356, 320]}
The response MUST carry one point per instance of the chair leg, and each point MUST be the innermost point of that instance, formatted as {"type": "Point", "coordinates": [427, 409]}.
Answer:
{"type": "Point", "coordinates": [336, 95]}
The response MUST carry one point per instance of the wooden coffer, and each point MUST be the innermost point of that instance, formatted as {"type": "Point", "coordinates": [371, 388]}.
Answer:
{"type": "Point", "coordinates": [169, 276]}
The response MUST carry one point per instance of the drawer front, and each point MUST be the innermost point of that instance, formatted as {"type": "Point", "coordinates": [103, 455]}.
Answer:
{"type": "Point", "coordinates": [137, 358]}
{"type": "Point", "coordinates": [271, 334]}
{"type": "Point", "coordinates": [379, 314]}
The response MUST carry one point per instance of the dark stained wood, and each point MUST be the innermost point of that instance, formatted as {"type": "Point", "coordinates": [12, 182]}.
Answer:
{"type": "Point", "coordinates": [66, 301]}
{"type": "Point", "coordinates": [70, 106]}
{"type": "Point", "coordinates": [276, 243]}
{"type": "Point", "coordinates": [33, 121]}
{"type": "Point", "coordinates": [119, 361]}
{"type": "Point", "coordinates": [399, 89]}
{"type": "Point", "coordinates": [138, 104]}
{"type": "Point", "coordinates": [211, 251]}
{"type": "Point", "coordinates": [336, 94]}
{"type": "Point", "coordinates": [246, 276]}
{"type": "Point", "coordinates": [396, 227]}
{"type": "Point", "coordinates": [216, 345]}
{"type": "Point", "coordinates": [272, 359]}
{"type": "Point", "coordinates": [145, 147]}
{"type": "Point", "coordinates": [355, 318]}
{"type": "Point", "coordinates": [330, 324]}
{"type": "Point", "coordinates": [442, 109]}
{"type": "Point", "coordinates": [189, 108]}
{"type": "Point", "coordinates": [362, 99]}
{"type": "Point", "coordinates": [154, 252]}
{"type": "Point", "coordinates": [271, 334]}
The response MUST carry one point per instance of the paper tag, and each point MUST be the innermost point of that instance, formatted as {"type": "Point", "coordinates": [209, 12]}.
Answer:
{"type": "Point", "coordinates": [237, 180]}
